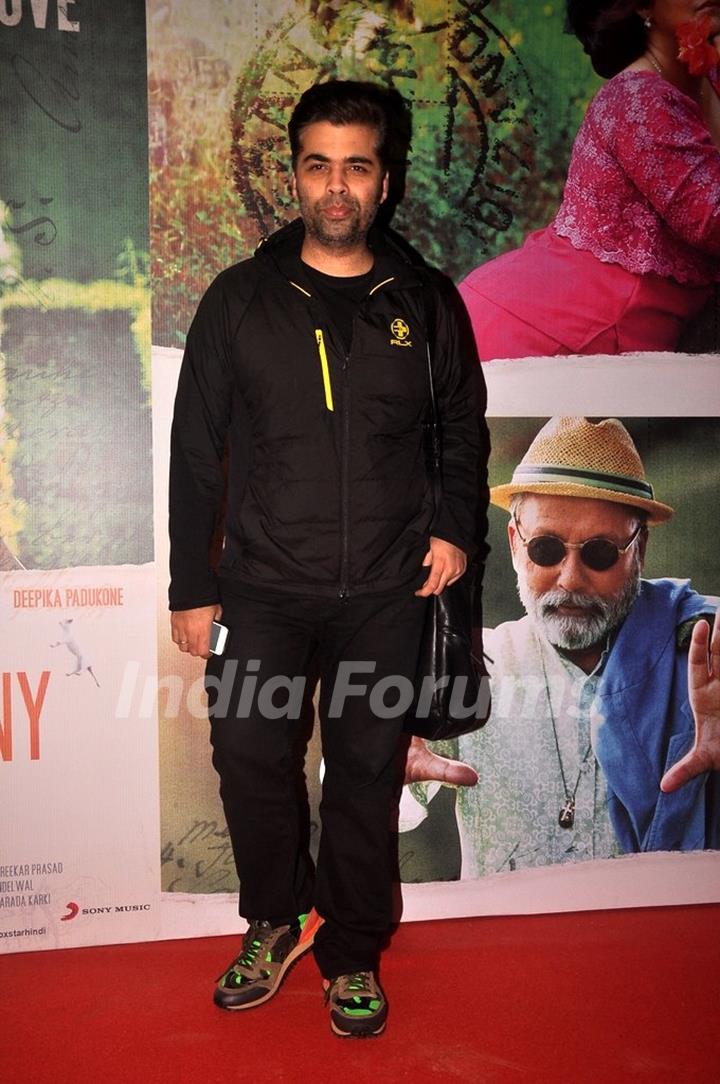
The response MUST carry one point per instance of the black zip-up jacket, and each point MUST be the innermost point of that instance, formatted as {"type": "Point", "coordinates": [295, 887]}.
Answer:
{"type": "Point", "coordinates": [327, 484]}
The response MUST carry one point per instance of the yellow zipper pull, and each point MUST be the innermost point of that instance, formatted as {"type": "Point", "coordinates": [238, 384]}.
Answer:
{"type": "Point", "coordinates": [325, 368]}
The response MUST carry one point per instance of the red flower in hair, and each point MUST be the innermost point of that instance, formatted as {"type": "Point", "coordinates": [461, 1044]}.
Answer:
{"type": "Point", "coordinates": [696, 51]}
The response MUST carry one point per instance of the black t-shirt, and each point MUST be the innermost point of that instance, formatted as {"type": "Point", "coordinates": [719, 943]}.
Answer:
{"type": "Point", "coordinates": [341, 295]}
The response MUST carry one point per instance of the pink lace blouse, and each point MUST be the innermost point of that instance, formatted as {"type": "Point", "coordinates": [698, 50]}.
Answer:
{"type": "Point", "coordinates": [643, 188]}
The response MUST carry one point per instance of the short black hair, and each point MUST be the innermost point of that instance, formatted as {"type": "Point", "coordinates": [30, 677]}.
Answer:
{"type": "Point", "coordinates": [611, 32]}
{"type": "Point", "coordinates": [347, 101]}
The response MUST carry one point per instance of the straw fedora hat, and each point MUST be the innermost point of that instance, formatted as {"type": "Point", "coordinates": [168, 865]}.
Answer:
{"type": "Point", "coordinates": [574, 457]}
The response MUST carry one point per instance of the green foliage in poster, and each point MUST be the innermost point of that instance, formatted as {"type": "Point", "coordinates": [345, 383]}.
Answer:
{"type": "Point", "coordinates": [77, 437]}
{"type": "Point", "coordinates": [102, 295]}
{"type": "Point", "coordinates": [12, 510]}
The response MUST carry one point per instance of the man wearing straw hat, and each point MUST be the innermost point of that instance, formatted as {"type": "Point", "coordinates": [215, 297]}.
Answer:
{"type": "Point", "coordinates": [594, 749]}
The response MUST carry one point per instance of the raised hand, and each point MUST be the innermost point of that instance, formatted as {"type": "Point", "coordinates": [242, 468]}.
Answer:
{"type": "Point", "coordinates": [704, 694]}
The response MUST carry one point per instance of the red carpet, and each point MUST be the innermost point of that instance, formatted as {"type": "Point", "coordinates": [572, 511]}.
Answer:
{"type": "Point", "coordinates": [608, 997]}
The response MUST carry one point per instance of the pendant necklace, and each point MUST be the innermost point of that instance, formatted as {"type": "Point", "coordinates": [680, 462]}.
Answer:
{"type": "Point", "coordinates": [566, 816]}
{"type": "Point", "coordinates": [655, 62]}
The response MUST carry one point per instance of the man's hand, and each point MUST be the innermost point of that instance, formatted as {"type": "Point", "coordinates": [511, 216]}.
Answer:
{"type": "Point", "coordinates": [704, 693]}
{"type": "Point", "coordinates": [191, 629]}
{"type": "Point", "coordinates": [447, 564]}
{"type": "Point", "coordinates": [423, 766]}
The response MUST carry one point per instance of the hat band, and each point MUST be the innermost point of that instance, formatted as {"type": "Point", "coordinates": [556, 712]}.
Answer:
{"type": "Point", "coordinates": [633, 487]}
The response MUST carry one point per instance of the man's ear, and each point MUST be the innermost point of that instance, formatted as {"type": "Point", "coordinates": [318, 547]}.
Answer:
{"type": "Point", "coordinates": [513, 540]}
{"type": "Point", "coordinates": [293, 185]}
{"type": "Point", "coordinates": [385, 187]}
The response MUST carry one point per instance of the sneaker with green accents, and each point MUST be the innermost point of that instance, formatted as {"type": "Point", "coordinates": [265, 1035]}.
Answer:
{"type": "Point", "coordinates": [268, 953]}
{"type": "Point", "coordinates": [357, 1005]}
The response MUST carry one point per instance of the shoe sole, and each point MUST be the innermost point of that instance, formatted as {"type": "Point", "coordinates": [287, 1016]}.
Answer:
{"type": "Point", "coordinates": [305, 942]}
{"type": "Point", "coordinates": [367, 1034]}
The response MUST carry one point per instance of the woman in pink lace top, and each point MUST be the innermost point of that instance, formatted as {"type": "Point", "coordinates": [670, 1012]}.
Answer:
{"type": "Point", "coordinates": [634, 250]}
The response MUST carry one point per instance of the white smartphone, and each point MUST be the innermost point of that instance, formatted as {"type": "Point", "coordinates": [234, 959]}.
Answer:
{"type": "Point", "coordinates": [218, 638]}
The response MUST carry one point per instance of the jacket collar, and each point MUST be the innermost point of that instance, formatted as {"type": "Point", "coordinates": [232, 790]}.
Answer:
{"type": "Point", "coordinates": [393, 256]}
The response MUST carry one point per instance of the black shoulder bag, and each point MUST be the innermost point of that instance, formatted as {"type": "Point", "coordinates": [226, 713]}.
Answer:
{"type": "Point", "coordinates": [452, 687]}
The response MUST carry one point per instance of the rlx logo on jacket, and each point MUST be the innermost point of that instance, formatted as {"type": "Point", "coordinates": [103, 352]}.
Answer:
{"type": "Point", "coordinates": [401, 331]}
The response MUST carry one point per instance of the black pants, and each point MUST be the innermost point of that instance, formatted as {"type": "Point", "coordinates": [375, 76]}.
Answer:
{"type": "Point", "coordinates": [274, 639]}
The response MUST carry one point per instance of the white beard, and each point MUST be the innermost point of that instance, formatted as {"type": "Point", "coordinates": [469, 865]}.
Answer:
{"type": "Point", "coordinates": [578, 632]}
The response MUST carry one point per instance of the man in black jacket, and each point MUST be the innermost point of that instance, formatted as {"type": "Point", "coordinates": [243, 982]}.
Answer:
{"type": "Point", "coordinates": [309, 364]}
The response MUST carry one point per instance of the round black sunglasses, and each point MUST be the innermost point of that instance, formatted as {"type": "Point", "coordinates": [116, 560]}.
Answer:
{"type": "Point", "coordinates": [599, 554]}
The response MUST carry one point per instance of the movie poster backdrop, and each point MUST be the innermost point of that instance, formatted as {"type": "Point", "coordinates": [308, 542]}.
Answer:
{"type": "Point", "coordinates": [497, 91]}
{"type": "Point", "coordinates": [78, 773]}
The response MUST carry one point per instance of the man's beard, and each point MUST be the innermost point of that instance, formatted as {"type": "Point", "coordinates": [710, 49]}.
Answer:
{"type": "Point", "coordinates": [341, 234]}
{"type": "Point", "coordinates": [578, 632]}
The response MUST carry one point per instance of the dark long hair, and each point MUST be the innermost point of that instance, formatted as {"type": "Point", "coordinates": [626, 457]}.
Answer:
{"type": "Point", "coordinates": [611, 32]}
